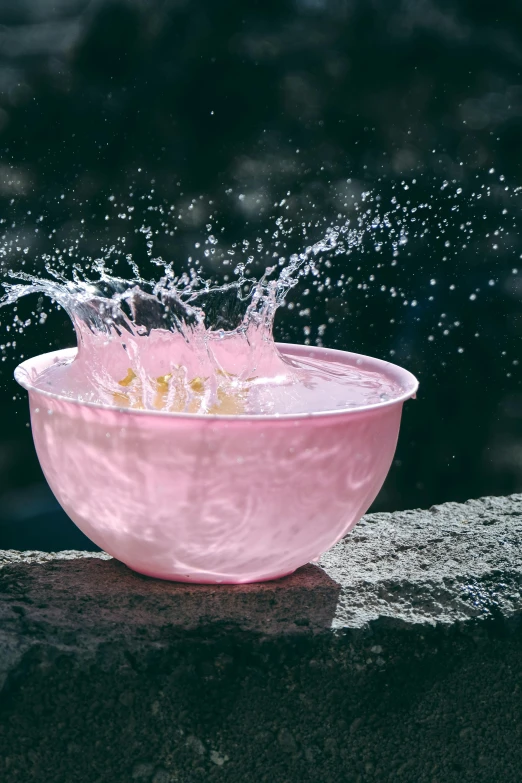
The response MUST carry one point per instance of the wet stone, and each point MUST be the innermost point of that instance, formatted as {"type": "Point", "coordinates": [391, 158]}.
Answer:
{"type": "Point", "coordinates": [406, 662]}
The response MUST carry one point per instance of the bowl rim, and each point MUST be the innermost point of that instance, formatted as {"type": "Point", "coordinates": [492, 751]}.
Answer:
{"type": "Point", "coordinates": [404, 377]}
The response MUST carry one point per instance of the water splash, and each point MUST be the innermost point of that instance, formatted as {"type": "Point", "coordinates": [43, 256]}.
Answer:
{"type": "Point", "coordinates": [217, 315]}
{"type": "Point", "coordinates": [183, 344]}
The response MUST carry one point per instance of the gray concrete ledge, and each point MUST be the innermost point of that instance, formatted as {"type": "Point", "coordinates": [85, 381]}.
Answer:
{"type": "Point", "coordinates": [398, 658]}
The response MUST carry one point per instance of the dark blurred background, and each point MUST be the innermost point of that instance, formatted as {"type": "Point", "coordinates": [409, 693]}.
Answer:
{"type": "Point", "coordinates": [318, 99]}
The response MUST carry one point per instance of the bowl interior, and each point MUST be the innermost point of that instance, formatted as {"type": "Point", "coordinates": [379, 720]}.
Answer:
{"type": "Point", "coordinates": [27, 372]}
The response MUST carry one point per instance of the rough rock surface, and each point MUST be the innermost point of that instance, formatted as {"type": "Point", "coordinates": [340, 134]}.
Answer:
{"type": "Point", "coordinates": [398, 658]}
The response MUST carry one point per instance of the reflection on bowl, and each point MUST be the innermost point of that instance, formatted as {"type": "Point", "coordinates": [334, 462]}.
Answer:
{"type": "Point", "coordinates": [201, 498]}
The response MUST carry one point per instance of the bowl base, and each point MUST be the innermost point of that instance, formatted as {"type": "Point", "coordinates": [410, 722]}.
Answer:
{"type": "Point", "coordinates": [208, 579]}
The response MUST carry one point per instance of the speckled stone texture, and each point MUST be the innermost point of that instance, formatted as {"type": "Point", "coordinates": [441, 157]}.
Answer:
{"type": "Point", "coordinates": [399, 658]}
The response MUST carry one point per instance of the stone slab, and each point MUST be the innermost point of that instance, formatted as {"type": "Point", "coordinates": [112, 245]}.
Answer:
{"type": "Point", "coordinates": [398, 657]}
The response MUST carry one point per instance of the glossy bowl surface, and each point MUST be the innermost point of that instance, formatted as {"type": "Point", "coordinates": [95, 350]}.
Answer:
{"type": "Point", "coordinates": [199, 498]}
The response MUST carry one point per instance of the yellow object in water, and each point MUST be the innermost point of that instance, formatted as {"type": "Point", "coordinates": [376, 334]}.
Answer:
{"type": "Point", "coordinates": [172, 395]}
{"type": "Point", "coordinates": [131, 375]}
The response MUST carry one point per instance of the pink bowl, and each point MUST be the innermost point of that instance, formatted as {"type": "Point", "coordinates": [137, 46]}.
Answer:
{"type": "Point", "coordinates": [199, 498]}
